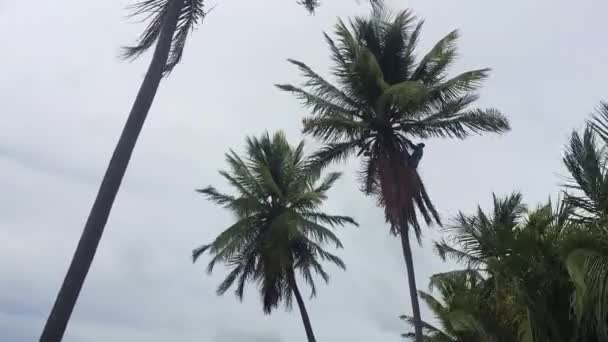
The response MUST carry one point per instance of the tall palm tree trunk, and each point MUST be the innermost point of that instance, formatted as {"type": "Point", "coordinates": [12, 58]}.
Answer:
{"type": "Point", "coordinates": [305, 319]}
{"type": "Point", "coordinates": [411, 277]}
{"type": "Point", "coordinates": [93, 229]}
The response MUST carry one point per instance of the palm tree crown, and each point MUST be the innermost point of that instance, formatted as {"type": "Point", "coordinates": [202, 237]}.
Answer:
{"type": "Point", "coordinates": [383, 98]}
{"type": "Point", "coordinates": [279, 227]}
{"type": "Point", "coordinates": [156, 13]}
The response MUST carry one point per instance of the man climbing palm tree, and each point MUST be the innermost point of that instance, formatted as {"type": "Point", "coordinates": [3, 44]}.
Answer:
{"type": "Point", "coordinates": [382, 99]}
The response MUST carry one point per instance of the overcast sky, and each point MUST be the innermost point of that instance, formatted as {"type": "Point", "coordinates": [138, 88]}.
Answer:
{"type": "Point", "coordinates": [64, 96]}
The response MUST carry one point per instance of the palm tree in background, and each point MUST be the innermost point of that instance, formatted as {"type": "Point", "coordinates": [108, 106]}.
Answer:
{"type": "Point", "coordinates": [466, 309]}
{"type": "Point", "coordinates": [169, 24]}
{"type": "Point", "coordinates": [520, 251]}
{"type": "Point", "coordinates": [384, 97]}
{"type": "Point", "coordinates": [279, 229]}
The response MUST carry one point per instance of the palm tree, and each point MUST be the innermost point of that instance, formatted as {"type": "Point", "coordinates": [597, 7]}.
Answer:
{"type": "Point", "coordinates": [279, 229]}
{"type": "Point", "coordinates": [520, 251]}
{"type": "Point", "coordinates": [468, 309]}
{"type": "Point", "coordinates": [383, 98]}
{"type": "Point", "coordinates": [170, 22]}
{"type": "Point", "coordinates": [586, 249]}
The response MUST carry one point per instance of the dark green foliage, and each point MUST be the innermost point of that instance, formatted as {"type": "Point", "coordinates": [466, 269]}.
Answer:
{"type": "Point", "coordinates": [519, 250]}
{"type": "Point", "coordinates": [585, 158]}
{"type": "Point", "coordinates": [279, 229]}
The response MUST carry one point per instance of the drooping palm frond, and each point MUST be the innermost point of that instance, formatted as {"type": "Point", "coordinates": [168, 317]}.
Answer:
{"type": "Point", "coordinates": [279, 229]}
{"type": "Point", "coordinates": [431, 333]}
{"type": "Point", "coordinates": [157, 13]}
{"type": "Point", "coordinates": [585, 159]}
{"type": "Point", "coordinates": [599, 121]}
{"type": "Point", "coordinates": [457, 125]}
{"type": "Point", "coordinates": [433, 66]}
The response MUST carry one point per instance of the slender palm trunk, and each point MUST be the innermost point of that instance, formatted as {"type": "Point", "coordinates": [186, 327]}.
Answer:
{"type": "Point", "coordinates": [93, 229]}
{"type": "Point", "coordinates": [411, 277]}
{"type": "Point", "coordinates": [305, 319]}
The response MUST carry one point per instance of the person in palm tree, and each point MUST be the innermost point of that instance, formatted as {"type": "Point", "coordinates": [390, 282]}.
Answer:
{"type": "Point", "coordinates": [383, 98]}
{"type": "Point", "coordinates": [279, 229]}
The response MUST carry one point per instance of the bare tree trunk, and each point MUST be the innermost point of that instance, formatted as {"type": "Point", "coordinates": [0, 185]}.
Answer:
{"type": "Point", "coordinates": [305, 319]}
{"type": "Point", "coordinates": [93, 229]}
{"type": "Point", "coordinates": [411, 277]}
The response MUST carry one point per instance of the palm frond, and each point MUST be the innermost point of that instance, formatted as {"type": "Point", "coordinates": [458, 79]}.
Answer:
{"type": "Point", "coordinates": [433, 67]}
{"type": "Point", "coordinates": [332, 220]}
{"type": "Point", "coordinates": [320, 233]}
{"type": "Point", "coordinates": [333, 129]}
{"type": "Point", "coordinates": [599, 121]}
{"type": "Point", "coordinates": [445, 251]}
{"type": "Point", "coordinates": [460, 85]}
{"type": "Point", "coordinates": [332, 153]}
{"type": "Point", "coordinates": [197, 252]}
{"type": "Point", "coordinates": [458, 125]}
{"type": "Point", "coordinates": [179, 17]}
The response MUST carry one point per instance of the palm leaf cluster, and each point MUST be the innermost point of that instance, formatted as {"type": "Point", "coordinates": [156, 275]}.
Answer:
{"type": "Point", "coordinates": [532, 275]}
{"type": "Point", "coordinates": [279, 228]}
{"type": "Point", "coordinates": [156, 12]}
{"type": "Point", "coordinates": [382, 98]}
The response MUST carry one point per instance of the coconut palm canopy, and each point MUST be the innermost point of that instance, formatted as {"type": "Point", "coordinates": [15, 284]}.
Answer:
{"type": "Point", "coordinates": [279, 226]}
{"type": "Point", "coordinates": [384, 97]}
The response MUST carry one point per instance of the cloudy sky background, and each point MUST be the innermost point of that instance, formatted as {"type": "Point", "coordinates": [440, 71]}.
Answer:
{"type": "Point", "coordinates": [64, 97]}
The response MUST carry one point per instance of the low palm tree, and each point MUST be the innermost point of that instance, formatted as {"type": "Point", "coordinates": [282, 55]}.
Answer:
{"type": "Point", "coordinates": [279, 230]}
{"type": "Point", "coordinates": [468, 309]}
{"type": "Point", "coordinates": [520, 251]}
{"type": "Point", "coordinates": [384, 97]}
{"type": "Point", "coordinates": [169, 24]}
{"type": "Point", "coordinates": [586, 249]}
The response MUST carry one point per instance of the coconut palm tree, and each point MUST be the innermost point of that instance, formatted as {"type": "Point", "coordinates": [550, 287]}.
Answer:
{"type": "Point", "coordinates": [279, 230]}
{"type": "Point", "coordinates": [521, 251]}
{"type": "Point", "coordinates": [469, 308]}
{"type": "Point", "coordinates": [169, 24]}
{"type": "Point", "coordinates": [586, 249]}
{"type": "Point", "coordinates": [382, 99]}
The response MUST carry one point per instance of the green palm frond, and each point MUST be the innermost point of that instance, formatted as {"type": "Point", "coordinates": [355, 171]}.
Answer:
{"type": "Point", "coordinates": [458, 125]}
{"type": "Point", "coordinates": [431, 333]}
{"type": "Point", "coordinates": [585, 159]}
{"type": "Point", "coordinates": [332, 153]}
{"type": "Point", "coordinates": [334, 129]}
{"type": "Point", "coordinates": [599, 121]}
{"type": "Point", "coordinates": [460, 85]}
{"type": "Point", "coordinates": [446, 251]}
{"type": "Point", "coordinates": [433, 67]}
{"type": "Point", "coordinates": [588, 269]}
{"type": "Point", "coordinates": [157, 12]}
{"type": "Point", "coordinates": [332, 220]}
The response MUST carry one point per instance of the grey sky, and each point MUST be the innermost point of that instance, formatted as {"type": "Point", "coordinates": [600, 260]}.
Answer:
{"type": "Point", "coordinates": [65, 96]}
